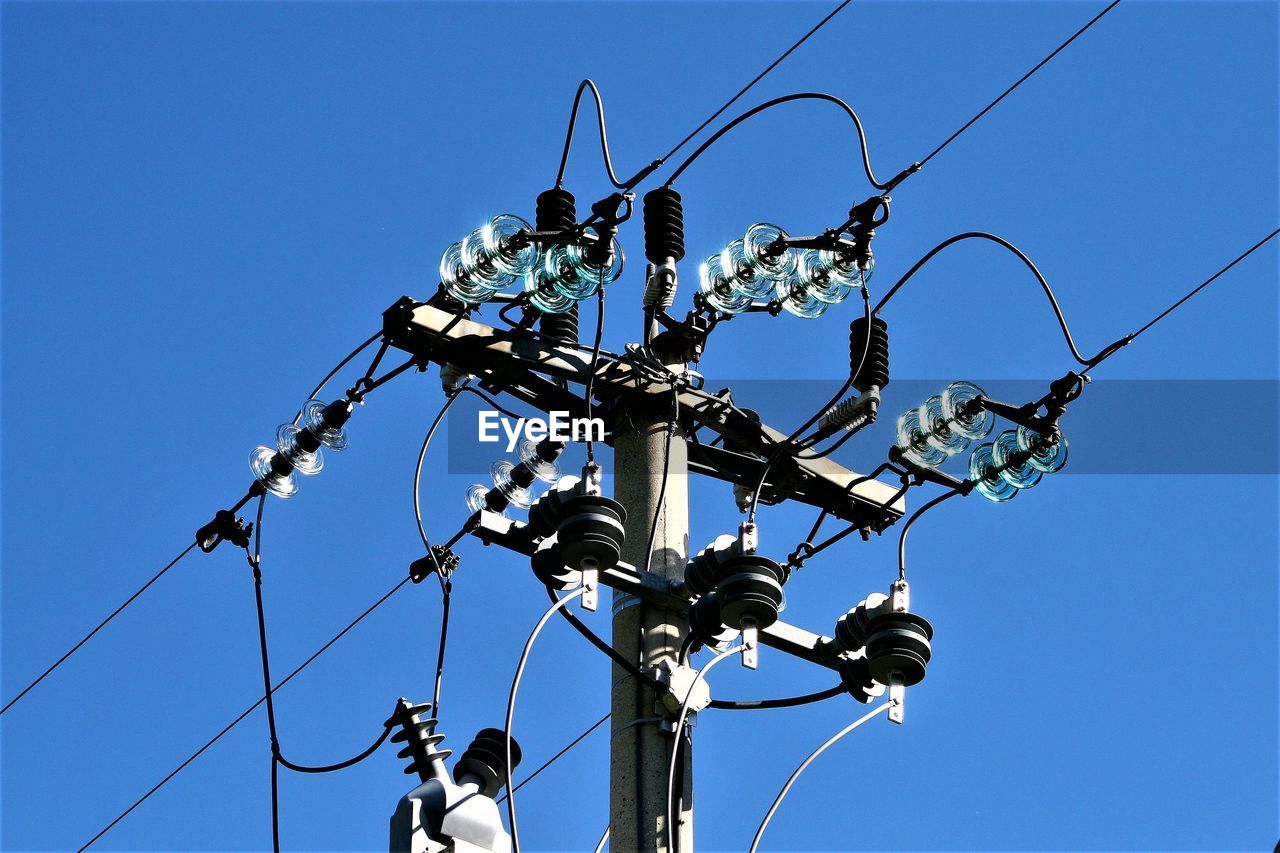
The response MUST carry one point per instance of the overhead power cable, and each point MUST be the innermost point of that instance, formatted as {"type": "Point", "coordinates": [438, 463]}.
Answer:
{"type": "Point", "coordinates": [511, 707]}
{"type": "Point", "coordinates": [764, 824]}
{"type": "Point", "coordinates": [1041, 64]}
{"type": "Point", "coordinates": [1128, 339]}
{"type": "Point", "coordinates": [553, 759]}
{"type": "Point", "coordinates": [635, 180]}
{"type": "Point", "coordinates": [98, 628]}
{"type": "Point", "coordinates": [604, 134]}
{"type": "Point", "coordinates": [715, 115]}
{"type": "Point", "coordinates": [799, 96]}
{"type": "Point", "coordinates": [982, 235]}
{"type": "Point", "coordinates": [246, 712]}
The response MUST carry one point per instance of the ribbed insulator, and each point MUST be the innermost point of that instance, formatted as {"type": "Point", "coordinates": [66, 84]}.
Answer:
{"type": "Point", "coordinates": [875, 370]}
{"type": "Point", "coordinates": [555, 211]}
{"type": "Point", "coordinates": [417, 732]}
{"type": "Point", "coordinates": [560, 327]}
{"type": "Point", "coordinates": [663, 225]}
{"type": "Point", "coordinates": [486, 761]}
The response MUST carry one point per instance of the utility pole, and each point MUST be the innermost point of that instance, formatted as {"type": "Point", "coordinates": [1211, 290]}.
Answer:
{"type": "Point", "coordinates": [646, 633]}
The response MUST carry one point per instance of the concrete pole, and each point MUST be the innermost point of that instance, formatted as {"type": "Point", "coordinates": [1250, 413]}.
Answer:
{"type": "Point", "coordinates": [647, 634]}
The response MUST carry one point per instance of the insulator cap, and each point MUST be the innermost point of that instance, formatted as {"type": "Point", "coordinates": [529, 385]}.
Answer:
{"type": "Point", "coordinates": [875, 370]}
{"type": "Point", "coordinates": [663, 225]}
{"type": "Point", "coordinates": [485, 760]}
{"type": "Point", "coordinates": [899, 644]}
{"type": "Point", "coordinates": [591, 532]}
{"type": "Point", "coordinates": [750, 590]}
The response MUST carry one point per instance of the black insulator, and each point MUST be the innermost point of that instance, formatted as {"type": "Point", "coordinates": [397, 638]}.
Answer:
{"type": "Point", "coordinates": [855, 676]}
{"type": "Point", "coordinates": [281, 465]}
{"type": "Point", "coordinates": [307, 441]}
{"type": "Point", "coordinates": [898, 644]}
{"type": "Point", "coordinates": [875, 369]}
{"type": "Point", "coordinates": [555, 211]}
{"type": "Point", "coordinates": [706, 623]}
{"type": "Point", "coordinates": [419, 736]}
{"type": "Point", "coordinates": [562, 328]}
{"type": "Point", "coordinates": [663, 225]}
{"type": "Point", "coordinates": [544, 514]}
{"type": "Point", "coordinates": [486, 761]}
{"type": "Point", "coordinates": [548, 567]}
{"type": "Point", "coordinates": [702, 572]}
{"type": "Point", "coordinates": [851, 628]}
{"type": "Point", "coordinates": [590, 532]}
{"type": "Point", "coordinates": [336, 414]}
{"type": "Point", "coordinates": [750, 590]}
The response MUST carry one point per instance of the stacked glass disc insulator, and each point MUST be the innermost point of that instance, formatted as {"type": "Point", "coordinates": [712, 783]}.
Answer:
{"type": "Point", "coordinates": [944, 425]}
{"type": "Point", "coordinates": [747, 270]}
{"type": "Point", "coordinates": [566, 275]}
{"type": "Point", "coordinates": [512, 483]}
{"type": "Point", "coordinates": [487, 260]}
{"type": "Point", "coordinates": [298, 447]}
{"type": "Point", "coordinates": [1016, 460]}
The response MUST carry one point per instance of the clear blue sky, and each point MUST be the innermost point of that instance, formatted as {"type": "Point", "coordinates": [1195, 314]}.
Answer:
{"type": "Point", "coordinates": [206, 205]}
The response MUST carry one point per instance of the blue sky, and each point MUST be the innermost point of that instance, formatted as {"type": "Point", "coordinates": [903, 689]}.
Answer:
{"type": "Point", "coordinates": [206, 205]}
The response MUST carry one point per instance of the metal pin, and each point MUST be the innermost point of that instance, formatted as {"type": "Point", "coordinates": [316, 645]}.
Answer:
{"type": "Point", "coordinates": [750, 644]}
{"type": "Point", "coordinates": [897, 695]}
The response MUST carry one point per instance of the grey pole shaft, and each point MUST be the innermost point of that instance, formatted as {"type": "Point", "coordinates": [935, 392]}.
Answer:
{"type": "Point", "coordinates": [640, 752]}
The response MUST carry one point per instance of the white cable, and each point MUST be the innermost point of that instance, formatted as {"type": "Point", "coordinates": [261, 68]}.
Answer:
{"type": "Point", "coordinates": [777, 801]}
{"type": "Point", "coordinates": [511, 709]}
{"type": "Point", "coordinates": [604, 839]}
{"type": "Point", "coordinates": [675, 745]}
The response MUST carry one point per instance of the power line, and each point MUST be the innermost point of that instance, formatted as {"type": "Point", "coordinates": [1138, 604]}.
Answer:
{"type": "Point", "coordinates": [1128, 339]}
{"type": "Point", "coordinates": [99, 627]}
{"type": "Point", "coordinates": [754, 81]}
{"type": "Point", "coordinates": [511, 708]}
{"type": "Point", "coordinates": [983, 235]}
{"type": "Point", "coordinates": [604, 134]}
{"type": "Point", "coordinates": [1019, 82]}
{"type": "Point", "coordinates": [553, 759]}
{"type": "Point", "coordinates": [245, 713]}
{"type": "Point", "coordinates": [755, 842]}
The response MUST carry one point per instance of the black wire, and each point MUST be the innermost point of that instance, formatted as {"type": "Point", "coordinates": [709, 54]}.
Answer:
{"type": "Point", "coordinates": [99, 627]}
{"type": "Point", "coordinates": [1127, 339]}
{"type": "Point", "coordinates": [341, 765]}
{"type": "Point", "coordinates": [753, 82]}
{"type": "Point", "coordinates": [255, 560]}
{"type": "Point", "coordinates": [1044, 284]}
{"type": "Point", "coordinates": [467, 389]}
{"type": "Point", "coordinates": [595, 362]}
{"type": "Point", "coordinates": [446, 595]}
{"type": "Point", "coordinates": [617, 657]}
{"type": "Point", "coordinates": [818, 96]}
{"type": "Point", "coordinates": [786, 702]}
{"type": "Point", "coordinates": [1020, 81]}
{"type": "Point", "coordinates": [906, 528]}
{"type": "Point", "coordinates": [604, 135]}
{"type": "Point", "coordinates": [332, 373]}
{"type": "Point", "coordinates": [245, 713]}
{"type": "Point", "coordinates": [553, 759]}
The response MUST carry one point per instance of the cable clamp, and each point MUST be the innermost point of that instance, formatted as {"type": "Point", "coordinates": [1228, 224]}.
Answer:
{"type": "Point", "coordinates": [225, 527]}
